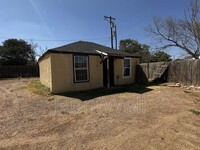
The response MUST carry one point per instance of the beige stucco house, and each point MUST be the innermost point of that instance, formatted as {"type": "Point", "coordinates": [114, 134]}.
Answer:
{"type": "Point", "coordinates": [85, 65]}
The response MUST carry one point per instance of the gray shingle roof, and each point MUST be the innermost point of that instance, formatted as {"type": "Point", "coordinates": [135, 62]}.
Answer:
{"type": "Point", "coordinates": [88, 48]}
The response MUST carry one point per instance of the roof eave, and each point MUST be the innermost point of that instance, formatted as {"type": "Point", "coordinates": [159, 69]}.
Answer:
{"type": "Point", "coordinates": [65, 52]}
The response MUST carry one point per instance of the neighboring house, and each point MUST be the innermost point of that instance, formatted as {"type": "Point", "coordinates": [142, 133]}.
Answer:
{"type": "Point", "coordinates": [85, 65]}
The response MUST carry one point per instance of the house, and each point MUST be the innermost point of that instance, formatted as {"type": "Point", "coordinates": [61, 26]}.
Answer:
{"type": "Point", "coordinates": [86, 65]}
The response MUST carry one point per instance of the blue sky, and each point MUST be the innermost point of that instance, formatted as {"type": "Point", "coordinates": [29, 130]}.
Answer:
{"type": "Point", "coordinates": [74, 20]}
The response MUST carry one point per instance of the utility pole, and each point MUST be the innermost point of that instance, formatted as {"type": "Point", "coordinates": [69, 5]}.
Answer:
{"type": "Point", "coordinates": [113, 29]}
{"type": "Point", "coordinates": [116, 37]}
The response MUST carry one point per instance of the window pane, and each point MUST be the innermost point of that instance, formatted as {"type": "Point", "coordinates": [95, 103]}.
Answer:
{"type": "Point", "coordinates": [126, 71]}
{"type": "Point", "coordinates": [126, 62]}
{"type": "Point", "coordinates": [81, 61]}
{"type": "Point", "coordinates": [84, 61]}
{"type": "Point", "coordinates": [81, 75]}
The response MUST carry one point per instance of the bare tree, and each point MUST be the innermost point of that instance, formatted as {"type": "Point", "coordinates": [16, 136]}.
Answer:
{"type": "Point", "coordinates": [183, 33]}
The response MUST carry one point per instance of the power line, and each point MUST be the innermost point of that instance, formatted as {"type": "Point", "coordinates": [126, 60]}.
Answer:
{"type": "Point", "coordinates": [106, 42]}
{"type": "Point", "coordinates": [50, 40]}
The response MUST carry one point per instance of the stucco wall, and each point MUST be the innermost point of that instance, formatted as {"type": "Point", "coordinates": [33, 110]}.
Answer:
{"type": "Point", "coordinates": [45, 71]}
{"type": "Point", "coordinates": [62, 73]}
{"type": "Point", "coordinates": [56, 72]}
{"type": "Point", "coordinates": [118, 71]}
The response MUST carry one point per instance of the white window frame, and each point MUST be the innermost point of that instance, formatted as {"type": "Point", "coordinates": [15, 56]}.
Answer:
{"type": "Point", "coordinates": [87, 68]}
{"type": "Point", "coordinates": [123, 68]}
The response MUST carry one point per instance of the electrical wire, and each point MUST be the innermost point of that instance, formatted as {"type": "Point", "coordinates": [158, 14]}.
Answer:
{"type": "Point", "coordinates": [60, 40]}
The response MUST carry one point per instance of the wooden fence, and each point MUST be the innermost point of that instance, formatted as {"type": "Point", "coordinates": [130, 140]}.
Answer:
{"type": "Point", "coordinates": [19, 71]}
{"type": "Point", "coordinates": [151, 72]}
{"type": "Point", "coordinates": [186, 72]}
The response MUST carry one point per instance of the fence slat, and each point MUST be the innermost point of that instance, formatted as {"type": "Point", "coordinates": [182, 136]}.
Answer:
{"type": "Point", "coordinates": [186, 72]}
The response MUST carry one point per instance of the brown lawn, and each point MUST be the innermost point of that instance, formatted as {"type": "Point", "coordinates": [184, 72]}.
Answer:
{"type": "Point", "coordinates": [131, 117]}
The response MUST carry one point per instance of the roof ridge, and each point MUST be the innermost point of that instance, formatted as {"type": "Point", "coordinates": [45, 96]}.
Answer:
{"type": "Point", "coordinates": [63, 45]}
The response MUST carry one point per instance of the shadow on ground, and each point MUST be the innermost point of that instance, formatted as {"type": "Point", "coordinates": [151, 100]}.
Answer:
{"type": "Point", "coordinates": [94, 93]}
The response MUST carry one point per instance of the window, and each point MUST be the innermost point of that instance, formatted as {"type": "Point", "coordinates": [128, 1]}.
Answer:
{"type": "Point", "coordinates": [81, 68]}
{"type": "Point", "coordinates": [126, 67]}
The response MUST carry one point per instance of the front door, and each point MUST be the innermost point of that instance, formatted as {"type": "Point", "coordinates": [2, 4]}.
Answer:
{"type": "Point", "coordinates": [109, 73]}
{"type": "Point", "coordinates": [111, 68]}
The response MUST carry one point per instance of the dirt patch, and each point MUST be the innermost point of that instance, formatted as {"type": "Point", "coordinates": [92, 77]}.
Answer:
{"type": "Point", "coordinates": [156, 118]}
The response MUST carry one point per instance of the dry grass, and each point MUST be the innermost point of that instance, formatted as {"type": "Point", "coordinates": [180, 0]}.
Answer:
{"type": "Point", "coordinates": [131, 117]}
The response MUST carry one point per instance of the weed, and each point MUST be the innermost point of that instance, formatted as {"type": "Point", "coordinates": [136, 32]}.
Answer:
{"type": "Point", "coordinates": [64, 112]}
{"type": "Point", "coordinates": [30, 119]}
{"type": "Point", "coordinates": [51, 99]}
{"type": "Point", "coordinates": [195, 112]}
{"type": "Point", "coordinates": [197, 100]}
{"type": "Point", "coordinates": [187, 91]}
{"type": "Point", "coordinates": [37, 88]}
